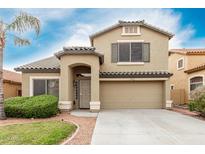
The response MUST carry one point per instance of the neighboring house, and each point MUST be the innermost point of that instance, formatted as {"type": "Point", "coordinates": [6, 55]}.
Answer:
{"type": "Point", "coordinates": [125, 67]}
{"type": "Point", "coordinates": [12, 84]}
{"type": "Point", "coordinates": [188, 68]}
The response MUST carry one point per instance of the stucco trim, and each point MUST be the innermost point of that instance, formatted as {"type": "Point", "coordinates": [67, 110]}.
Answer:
{"type": "Point", "coordinates": [181, 68]}
{"type": "Point", "coordinates": [39, 77]}
{"type": "Point", "coordinates": [65, 105]}
{"type": "Point", "coordinates": [130, 63]}
{"type": "Point", "coordinates": [94, 106]}
{"type": "Point", "coordinates": [198, 75]}
{"type": "Point", "coordinates": [130, 41]}
{"type": "Point", "coordinates": [121, 41]}
{"type": "Point", "coordinates": [169, 104]}
{"type": "Point", "coordinates": [131, 34]}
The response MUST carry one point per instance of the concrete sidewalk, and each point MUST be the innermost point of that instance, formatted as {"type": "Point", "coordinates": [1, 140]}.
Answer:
{"type": "Point", "coordinates": [147, 126]}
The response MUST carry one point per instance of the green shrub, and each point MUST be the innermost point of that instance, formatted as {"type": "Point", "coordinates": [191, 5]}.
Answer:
{"type": "Point", "coordinates": [192, 106]}
{"type": "Point", "coordinates": [42, 106]}
{"type": "Point", "coordinates": [200, 104]}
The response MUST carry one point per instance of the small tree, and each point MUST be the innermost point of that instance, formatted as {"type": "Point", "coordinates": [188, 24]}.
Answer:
{"type": "Point", "coordinates": [21, 23]}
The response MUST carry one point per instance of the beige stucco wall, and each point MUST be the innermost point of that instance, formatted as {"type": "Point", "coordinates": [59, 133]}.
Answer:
{"type": "Point", "coordinates": [179, 78]}
{"type": "Point", "coordinates": [158, 50]}
{"type": "Point", "coordinates": [11, 89]}
{"type": "Point", "coordinates": [26, 81]}
{"type": "Point", "coordinates": [195, 60]}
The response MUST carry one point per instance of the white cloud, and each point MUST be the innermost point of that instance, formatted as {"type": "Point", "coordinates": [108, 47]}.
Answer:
{"type": "Point", "coordinates": [166, 19]}
{"type": "Point", "coordinates": [50, 14]}
{"type": "Point", "coordinates": [181, 37]}
{"type": "Point", "coordinates": [80, 35]}
{"type": "Point", "coordinates": [77, 33]}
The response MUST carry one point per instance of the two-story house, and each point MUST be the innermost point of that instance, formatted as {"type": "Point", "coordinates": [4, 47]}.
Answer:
{"type": "Point", "coordinates": [125, 67]}
{"type": "Point", "coordinates": [188, 68]}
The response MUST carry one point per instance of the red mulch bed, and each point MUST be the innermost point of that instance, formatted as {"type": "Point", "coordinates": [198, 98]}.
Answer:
{"type": "Point", "coordinates": [189, 113]}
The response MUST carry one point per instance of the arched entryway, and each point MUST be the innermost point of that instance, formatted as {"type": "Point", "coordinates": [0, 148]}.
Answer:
{"type": "Point", "coordinates": [81, 86]}
{"type": "Point", "coordinates": [79, 71]}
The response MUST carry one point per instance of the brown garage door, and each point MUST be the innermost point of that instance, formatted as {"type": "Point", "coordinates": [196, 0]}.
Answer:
{"type": "Point", "coordinates": [130, 94]}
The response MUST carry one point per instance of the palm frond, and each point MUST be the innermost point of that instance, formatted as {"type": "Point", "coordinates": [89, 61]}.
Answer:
{"type": "Point", "coordinates": [21, 41]}
{"type": "Point", "coordinates": [24, 22]}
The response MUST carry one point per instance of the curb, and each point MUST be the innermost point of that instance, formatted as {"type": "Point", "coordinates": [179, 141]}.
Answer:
{"type": "Point", "coordinates": [73, 135]}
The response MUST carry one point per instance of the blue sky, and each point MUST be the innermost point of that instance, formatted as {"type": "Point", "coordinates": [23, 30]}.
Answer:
{"type": "Point", "coordinates": [70, 27]}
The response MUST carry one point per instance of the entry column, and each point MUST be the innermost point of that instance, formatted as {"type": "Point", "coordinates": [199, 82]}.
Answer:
{"type": "Point", "coordinates": [95, 99]}
{"type": "Point", "coordinates": [166, 89]}
{"type": "Point", "coordinates": [65, 90]}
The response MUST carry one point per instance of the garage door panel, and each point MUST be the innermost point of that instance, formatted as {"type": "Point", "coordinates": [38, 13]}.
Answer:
{"type": "Point", "coordinates": [130, 94]}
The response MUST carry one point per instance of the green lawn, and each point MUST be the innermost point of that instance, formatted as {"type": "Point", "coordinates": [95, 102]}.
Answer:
{"type": "Point", "coordinates": [52, 132]}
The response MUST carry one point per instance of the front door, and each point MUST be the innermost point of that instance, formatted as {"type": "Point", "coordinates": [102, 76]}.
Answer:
{"type": "Point", "coordinates": [85, 94]}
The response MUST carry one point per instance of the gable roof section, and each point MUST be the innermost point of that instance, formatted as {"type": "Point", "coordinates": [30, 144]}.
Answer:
{"type": "Point", "coordinates": [127, 23]}
{"type": "Point", "coordinates": [51, 64]}
{"type": "Point", "coordinates": [13, 77]}
{"type": "Point", "coordinates": [76, 50]}
{"type": "Point", "coordinates": [195, 69]}
{"type": "Point", "coordinates": [199, 51]}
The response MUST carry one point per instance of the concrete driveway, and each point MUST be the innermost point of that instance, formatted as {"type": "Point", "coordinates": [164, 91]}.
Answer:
{"type": "Point", "coordinates": [147, 126]}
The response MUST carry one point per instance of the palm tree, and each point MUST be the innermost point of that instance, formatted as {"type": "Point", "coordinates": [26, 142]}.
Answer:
{"type": "Point", "coordinates": [21, 23]}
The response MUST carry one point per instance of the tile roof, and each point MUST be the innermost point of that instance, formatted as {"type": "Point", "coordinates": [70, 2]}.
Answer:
{"type": "Point", "coordinates": [188, 51]}
{"type": "Point", "coordinates": [195, 69]}
{"type": "Point", "coordinates": [52, 64]}
{"type": "Point", "coordinates": [140, 74]}
{"type": "Point", "coordinates": [11, 76]}
{"type": "Point", "coordinates": [140, 22]}
{"type": "Point", "coordinates": [49, 64]}
{"type": "Point", "coordinates": [77, 50]}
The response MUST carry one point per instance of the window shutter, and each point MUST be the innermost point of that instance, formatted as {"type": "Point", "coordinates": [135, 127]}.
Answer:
{"type": "Point", "coordinates": [146, 52]}
{"type": "Point", "coordinates": [114, 53]}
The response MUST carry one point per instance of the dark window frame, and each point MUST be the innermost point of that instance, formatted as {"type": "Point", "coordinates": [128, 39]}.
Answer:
{"type": "Point", "coordinates": [132, 51]}
{"type": "Point", "coordinates": [46, 88]}
{"type": "Point", "coordinates": [195, 84]}
{"type": "Point", "coordinates": [119, 51]}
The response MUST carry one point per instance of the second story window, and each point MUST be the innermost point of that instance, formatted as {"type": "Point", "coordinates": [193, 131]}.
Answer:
{"type": "Point", "coordinates": [180, 64]}
{"type": "Point", "coordinates": [130, 52]}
